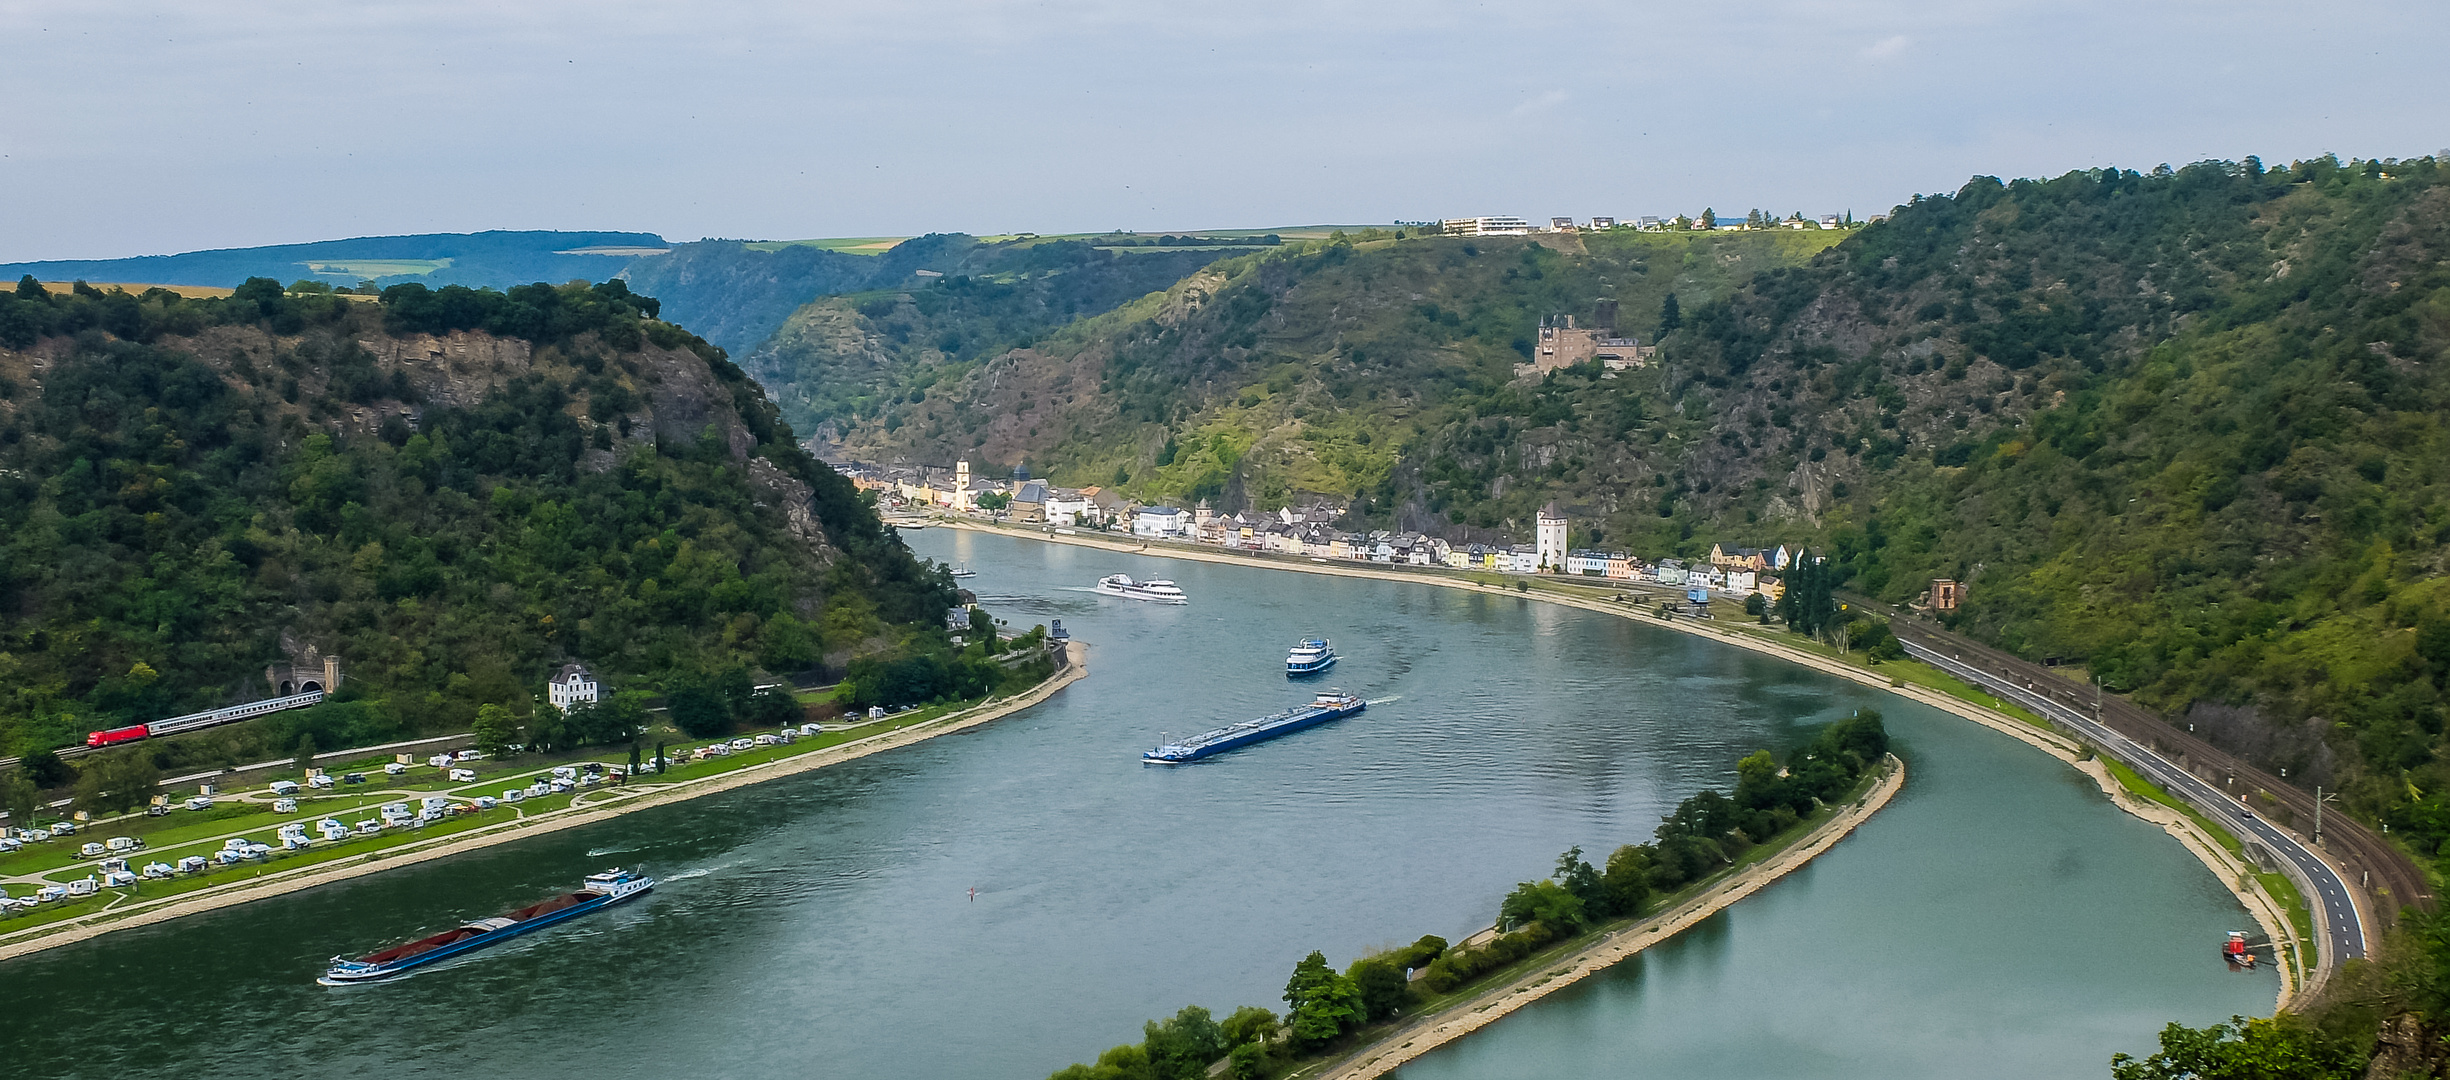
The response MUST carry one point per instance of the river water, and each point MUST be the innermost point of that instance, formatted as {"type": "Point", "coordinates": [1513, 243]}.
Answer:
{"type": "Point", "coordinates": [1999, 919]}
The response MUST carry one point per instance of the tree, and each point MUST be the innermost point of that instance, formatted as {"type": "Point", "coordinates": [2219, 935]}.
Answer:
{"type": "Point", "coordinates": [2283, 1046]}
{"type": "Point", "coordinates": [1182, 1048]}
{"type": "Point", "coordinates": [773, 706]}
{"type": "Point", "coordinates": [30, 289]}
{"type": "Point", "coordinates": [698, 711]}
{"type": "Point", "coordinates": [305, 753]}
{"type": "Point", "coordinates": [1249, 1024]}
{"type": "Point", "coordinates": [496, 730]}
{"type": "Point", "coordinates": [787, 644]}
{"type": "Point", "coordinates": [1544, 902]}
{"type": "Point", "coordinates": [1324, 1003]}
{"type": "Point", "coordinates": [45, 768]}
{"type": "Point", "coordinates": [994, 500]}
{"type": "Point", "coordinates": [1670, 316]}
{"type": "Point", "coordinates": [1384, 988]}
{"type": "Point", "coordinates": [1582, 880]}
{"type": "Point", "coordinates": [1709, 218]}
{"type": "Point", "coordinates": [1757, 606]}
{"type": "Point", "coordinates": [18, 796]}
{"type": "Point", "coordinates": [982, 626]}
{"type": "Point", "coordinates": [122, 780]}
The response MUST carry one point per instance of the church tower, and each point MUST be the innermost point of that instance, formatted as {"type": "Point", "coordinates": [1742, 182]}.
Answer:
{"type": "Point", "coordinates": [1551, 538]}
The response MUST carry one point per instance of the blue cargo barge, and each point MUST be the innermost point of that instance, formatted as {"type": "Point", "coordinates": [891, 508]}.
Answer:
{"type": "Point", "coordinates": [1330, 705]}
{"type": "Point", "coordinates": [601, 891]}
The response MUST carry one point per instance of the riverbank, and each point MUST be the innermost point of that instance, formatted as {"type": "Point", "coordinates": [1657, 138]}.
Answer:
{"type": "Point", "coordinates": [2240, 879]}
{"type": "Point", "coordinates": [1445, 1025]}
{"type": "Point", "coordinates": [644, 796]}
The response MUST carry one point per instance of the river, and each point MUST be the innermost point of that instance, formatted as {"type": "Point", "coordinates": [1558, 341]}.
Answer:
{"type": "Point", "coordinates": [1999, 919]}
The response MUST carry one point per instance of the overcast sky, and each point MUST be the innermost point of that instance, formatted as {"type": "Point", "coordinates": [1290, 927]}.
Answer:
{"type": "Point", "coordinates": [135, 128]}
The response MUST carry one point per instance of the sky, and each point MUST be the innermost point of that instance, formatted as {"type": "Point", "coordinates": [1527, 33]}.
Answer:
{"type": "Point", "coordinates": [148, 128]}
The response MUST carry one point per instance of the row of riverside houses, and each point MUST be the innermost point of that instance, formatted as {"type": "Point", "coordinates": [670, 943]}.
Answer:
{"type": "Point", "coordinates": [1729, 570]}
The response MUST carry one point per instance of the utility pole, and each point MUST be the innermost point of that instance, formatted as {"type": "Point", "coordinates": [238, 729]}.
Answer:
{"type": "Point", "coordinates": [2319, 799]}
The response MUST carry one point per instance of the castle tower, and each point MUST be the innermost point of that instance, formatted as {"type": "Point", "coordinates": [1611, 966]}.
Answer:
{"type": "Point", "coordinates": [1551, 538]}
{"type": "Point", "coordinates": [961, 485]}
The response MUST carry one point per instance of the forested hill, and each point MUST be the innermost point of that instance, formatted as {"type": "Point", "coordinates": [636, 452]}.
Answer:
{"type": "Point", "coordinates": [841, 358]}
{"type": "Point", "coordinates": [452, 490]}
{"type": "Point", "coordinates": [2185, 427]}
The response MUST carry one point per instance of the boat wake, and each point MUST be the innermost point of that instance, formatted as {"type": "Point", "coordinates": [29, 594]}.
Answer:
{"type": "Point", "coordinates": [598, 853]}
{"type": "Point", "coordinates": [687, 874]}
{"type": "Point", "coordinates": [1386, 700]}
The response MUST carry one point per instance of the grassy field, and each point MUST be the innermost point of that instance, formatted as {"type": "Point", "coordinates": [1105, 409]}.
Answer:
{"type": "Point", "coordinates": [848, 245]}
{"type": "Point", "coordinates": [374, 268]}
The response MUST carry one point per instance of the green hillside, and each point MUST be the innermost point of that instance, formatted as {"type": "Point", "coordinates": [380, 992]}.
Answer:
{"type": "Point", "coordinates": [1322, 367]}
{"type": "Point", "coordinates": [453, 491]}
{"type": "Point", "coordinates": [840, 359]}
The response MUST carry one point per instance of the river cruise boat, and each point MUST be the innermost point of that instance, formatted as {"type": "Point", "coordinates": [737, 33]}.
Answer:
{"type": "Point", "coordinates": [1312, 656]}
{"type": "Point", "coordinates": [601, 891]}
{"type": "Point", "coordinates": [1155, 592]}
{"type": "Point", "coordinates": [964, 571]}
{"type": "Point", "coordinates": [1328, 705]}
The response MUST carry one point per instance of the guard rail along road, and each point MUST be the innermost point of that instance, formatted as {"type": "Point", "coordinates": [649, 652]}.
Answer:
{"type": "Point", "coordinates": [2339, 924]}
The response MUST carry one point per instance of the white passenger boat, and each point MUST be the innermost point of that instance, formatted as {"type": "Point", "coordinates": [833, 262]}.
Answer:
{"type": "Point", "coordinates": [1312, 656]}
{"type": "Point", "coordinates": [1155, 592]}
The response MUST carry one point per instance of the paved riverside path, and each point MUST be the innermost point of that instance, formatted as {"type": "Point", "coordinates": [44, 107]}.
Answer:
{"type": "Point", "coordinates": [2339, 923]}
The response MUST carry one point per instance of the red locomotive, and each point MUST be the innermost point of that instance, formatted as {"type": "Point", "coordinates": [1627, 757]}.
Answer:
{"type": "Point", "coordinates": [115, 736]}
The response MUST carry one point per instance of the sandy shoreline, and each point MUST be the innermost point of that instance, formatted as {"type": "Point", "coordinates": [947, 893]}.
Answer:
{"type": "Point", "coordinates": [1075, 667]}
{"type": "Point", "coordinates": [2237, 877]}
{"type": "Point", "coordinates": [1454, 1022]}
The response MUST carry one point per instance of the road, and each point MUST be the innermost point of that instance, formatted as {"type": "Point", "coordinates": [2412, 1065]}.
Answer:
{"type": "Point", "coordinates": [2339, 924]}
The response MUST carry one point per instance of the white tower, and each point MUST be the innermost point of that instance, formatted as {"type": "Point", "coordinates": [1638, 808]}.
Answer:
{"type": "Point", "coordinates": [1551, 526]}
{"type": "Point", "coordinates": [961, 485]}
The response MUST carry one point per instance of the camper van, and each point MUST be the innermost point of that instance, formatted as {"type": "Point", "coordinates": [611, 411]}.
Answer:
{"type": "Point", "coordinates": [284, 806]}
{"type": "Point", "coordinates": [463, 776]}
{"type": "Point", "coordinates": [284, 787]}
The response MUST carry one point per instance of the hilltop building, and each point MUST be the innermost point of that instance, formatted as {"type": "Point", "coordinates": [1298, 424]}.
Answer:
{"type": "Point", "coordinates": [1497, 225]}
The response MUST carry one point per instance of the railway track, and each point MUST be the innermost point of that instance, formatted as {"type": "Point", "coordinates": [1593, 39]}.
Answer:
{"type": "Point", "coordinates": [2388, 876]}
